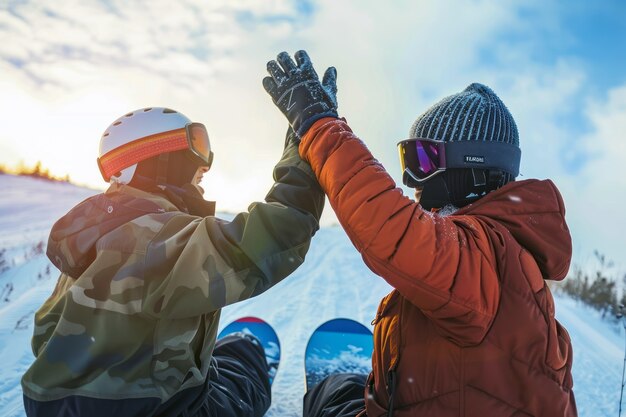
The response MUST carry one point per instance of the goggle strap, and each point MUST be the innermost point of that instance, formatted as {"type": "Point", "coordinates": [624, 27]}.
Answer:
{"type": "Point", "coordinates": [490, 156]}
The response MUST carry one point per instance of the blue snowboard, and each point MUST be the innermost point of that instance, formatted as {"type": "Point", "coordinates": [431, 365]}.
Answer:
{"type": "Point", "coordinates": [265, 333]}
{"type": "Point", "coordinates": [338, 346]}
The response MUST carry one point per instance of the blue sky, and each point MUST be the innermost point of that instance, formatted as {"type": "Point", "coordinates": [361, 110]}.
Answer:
{"type": "Point", "coordinates": [591, 36]}
{"type": "Point", "coordinates": [70, 69]}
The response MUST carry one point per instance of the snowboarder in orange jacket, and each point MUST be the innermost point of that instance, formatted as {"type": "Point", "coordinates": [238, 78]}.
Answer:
{"type": "Point", "coordinates": [469, 329]}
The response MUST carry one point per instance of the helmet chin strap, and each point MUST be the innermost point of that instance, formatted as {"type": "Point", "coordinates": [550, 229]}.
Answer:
{"type": "Point", "coordinates": [161, 174]}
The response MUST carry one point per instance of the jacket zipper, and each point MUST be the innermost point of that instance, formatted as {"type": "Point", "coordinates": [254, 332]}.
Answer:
{"type": "Point", "coordinates": [462, 382]}
{"type": "Point", "coordinates": [391, 389]}
{"type": "Point", "coordinates": [392, 377]}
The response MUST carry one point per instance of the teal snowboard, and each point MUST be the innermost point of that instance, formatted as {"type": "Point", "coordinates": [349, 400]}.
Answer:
{"type": "Point", "coordinates": [262, 331]}
{"type": "Point", "coordinates": [338, 346]}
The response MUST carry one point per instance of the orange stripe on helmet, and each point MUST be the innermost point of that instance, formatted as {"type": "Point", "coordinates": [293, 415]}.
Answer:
{"type": "Point", "coordinates": [141, 149]}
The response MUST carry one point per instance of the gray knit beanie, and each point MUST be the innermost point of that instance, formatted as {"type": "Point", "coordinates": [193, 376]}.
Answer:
{"type": "Point", "coordinates": [475, 113]}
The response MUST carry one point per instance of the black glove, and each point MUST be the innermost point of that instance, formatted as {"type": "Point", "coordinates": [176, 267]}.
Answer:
{"type": "Point", "coordinates": [297, 92]}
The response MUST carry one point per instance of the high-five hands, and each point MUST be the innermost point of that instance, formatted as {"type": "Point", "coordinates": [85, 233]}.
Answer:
{"type": "Point", "coordinates": [296, 90]}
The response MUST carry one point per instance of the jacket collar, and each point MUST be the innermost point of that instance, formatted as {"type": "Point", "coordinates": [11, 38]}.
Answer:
{"type": "Point", "coordinates": [157, 199]}
{"type": "Point", "coordinates": [534, 213]}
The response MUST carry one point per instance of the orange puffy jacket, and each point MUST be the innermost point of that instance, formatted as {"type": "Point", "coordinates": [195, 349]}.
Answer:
{"type": "Point", "coordinates": [469, 329]}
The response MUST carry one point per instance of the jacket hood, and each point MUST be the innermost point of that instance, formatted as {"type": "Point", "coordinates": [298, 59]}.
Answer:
{"type": "Point", "coordinates": [72, 240]}
{"type": "Point", "coordinates": [534, 213]}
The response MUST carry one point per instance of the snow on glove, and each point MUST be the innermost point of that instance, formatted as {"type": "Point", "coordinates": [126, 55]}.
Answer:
{"type": "Point", "coordinates": [296, 90]}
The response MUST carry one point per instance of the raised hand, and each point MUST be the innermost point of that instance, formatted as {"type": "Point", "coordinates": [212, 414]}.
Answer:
{"type": "Point", "coordinates": [296, 90]}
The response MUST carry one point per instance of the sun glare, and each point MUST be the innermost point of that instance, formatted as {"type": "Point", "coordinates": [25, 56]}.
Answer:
{"type": "Point", "coordinates": [232, 195]}
{"type": "Point", "coordinates": [63, 136]}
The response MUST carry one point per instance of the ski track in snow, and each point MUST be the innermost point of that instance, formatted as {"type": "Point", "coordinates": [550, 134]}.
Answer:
{"type": "Point", "coordinates": [598, 358]}
{"type": "Point", "coordinates": [333, 282]}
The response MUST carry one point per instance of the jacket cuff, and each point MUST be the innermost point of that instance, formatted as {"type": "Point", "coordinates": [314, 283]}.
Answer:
{"type": "Point", "coordinates": [314, 132]}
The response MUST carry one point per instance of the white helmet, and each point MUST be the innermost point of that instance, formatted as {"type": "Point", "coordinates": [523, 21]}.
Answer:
{"type": "Point", "coordinates": [148, 132]}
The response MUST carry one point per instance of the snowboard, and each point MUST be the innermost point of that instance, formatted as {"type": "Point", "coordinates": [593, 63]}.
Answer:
{"type": "Point", "coordinates": [338, 346]}
{"type": "Point", "coordinates": [262, 331]}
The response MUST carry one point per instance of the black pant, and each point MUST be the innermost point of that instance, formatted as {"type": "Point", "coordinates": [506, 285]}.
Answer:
{"type": "Point", "coordinates": [339, 395]}
{"type": "Point", "coordinates": [238, 386]}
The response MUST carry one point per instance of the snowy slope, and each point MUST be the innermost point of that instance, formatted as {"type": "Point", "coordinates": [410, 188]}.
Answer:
{"type": "Point", "coordinates": [333, 282]}
{"type": "Point", "coordinates": [28, 208]}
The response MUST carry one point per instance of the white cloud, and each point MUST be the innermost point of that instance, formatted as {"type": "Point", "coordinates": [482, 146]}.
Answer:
{"type": "Point", "coordinates": [70, 70]}
{"type": "Point", "coordinates": [395, 61]}
{"type": "Point", "coordinates": [539, 97]}
{"type": "Point", "coordinates": [596, 197]}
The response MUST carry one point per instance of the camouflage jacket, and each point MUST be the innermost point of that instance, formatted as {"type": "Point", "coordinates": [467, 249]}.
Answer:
{"type": "Point", "coordinates": [140, 315]}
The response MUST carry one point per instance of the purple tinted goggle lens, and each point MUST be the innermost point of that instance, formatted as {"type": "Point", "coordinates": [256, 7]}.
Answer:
{"type": "Point", "coordinates": [428, 157]}
{"type": "Point", "coordinates": [421, 159]}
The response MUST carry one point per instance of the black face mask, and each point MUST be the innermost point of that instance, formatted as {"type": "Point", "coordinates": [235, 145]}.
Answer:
{"type": "Point", "coordinates": [174, 168]}
{"type": "Point", "coordinates": [435, 193]}
{"type": "Point", "coordinates": [171, 177]}
{"type": "Point", "coordinates": [460, 187]}
{"type": "Point", "coordinates": [181, 168]}
{"type": "Point", "coordinates": [189, 200]}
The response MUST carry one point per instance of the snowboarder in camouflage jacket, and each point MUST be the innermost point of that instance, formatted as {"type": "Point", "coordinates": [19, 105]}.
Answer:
{"type": "Point", "coordinates": [130, 329]}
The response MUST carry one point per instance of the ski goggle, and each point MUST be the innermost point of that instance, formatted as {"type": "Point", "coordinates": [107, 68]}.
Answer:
{"type": "Point", "coordinates": [422, 159]}
{"type": "Point", "coordinates": [198, 141]}
{"type": "Point", "coordinates": [193, 137]}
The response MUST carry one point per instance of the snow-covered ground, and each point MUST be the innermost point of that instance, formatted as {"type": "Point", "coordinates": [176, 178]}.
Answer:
{"type": "Point", "coordinates": [333, 282]}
